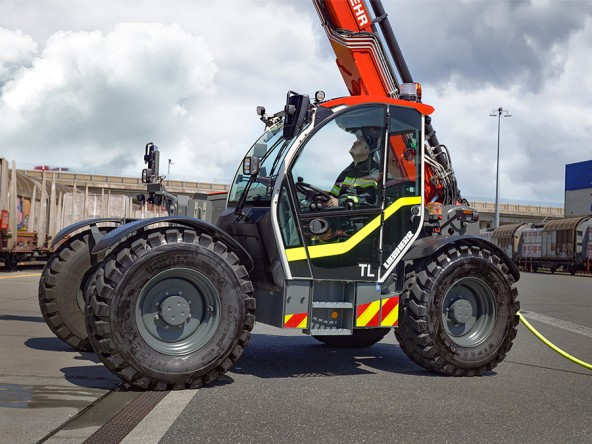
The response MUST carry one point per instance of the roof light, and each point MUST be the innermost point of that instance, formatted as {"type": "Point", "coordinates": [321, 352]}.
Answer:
{"type": "Point", "coordinates": [319, 96]}
{"type": "Point", "coordinates": [260, 110]}
{"type": "Point", "coordinates": [410, 91]}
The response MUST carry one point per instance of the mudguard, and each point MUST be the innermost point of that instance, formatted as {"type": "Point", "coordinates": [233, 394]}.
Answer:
{"type": "Point", "coordinates": [429, 245]}
{"type": "Point", "coordinates": [85, 223]}
{"type": "Point", "coordinates": [115, 236]}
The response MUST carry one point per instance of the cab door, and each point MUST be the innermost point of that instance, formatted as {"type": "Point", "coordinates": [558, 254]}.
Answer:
{"type": "Point", "coordinates": [350, 211]}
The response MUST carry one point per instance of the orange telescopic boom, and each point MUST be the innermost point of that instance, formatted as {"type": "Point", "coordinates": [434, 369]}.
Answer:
{"type": "Point", "coordinates": [366, 68]}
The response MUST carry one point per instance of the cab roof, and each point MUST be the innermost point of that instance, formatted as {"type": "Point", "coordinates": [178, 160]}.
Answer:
{"type": "Point", "coordinates": [359, 100]}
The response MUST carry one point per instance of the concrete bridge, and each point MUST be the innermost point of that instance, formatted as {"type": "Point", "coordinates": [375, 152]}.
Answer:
{"type": "Point", "coordinates": [109, 185]}
{"type": "Point", "coordinates": [100, 183]}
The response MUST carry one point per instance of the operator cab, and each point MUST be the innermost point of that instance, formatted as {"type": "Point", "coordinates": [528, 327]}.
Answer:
{"type": "Point", "coordinates": [335, 186]}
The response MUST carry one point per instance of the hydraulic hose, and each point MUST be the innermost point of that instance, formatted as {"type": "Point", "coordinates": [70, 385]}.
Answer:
{"type": "Point", "coordinates": [552, 346]}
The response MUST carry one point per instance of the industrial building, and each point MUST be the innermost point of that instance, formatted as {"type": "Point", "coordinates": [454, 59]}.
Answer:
{"type": "Point", "coordinates": [578, 189]}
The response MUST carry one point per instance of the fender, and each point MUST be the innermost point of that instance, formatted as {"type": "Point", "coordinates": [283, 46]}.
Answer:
{"type": "Point", "coordinates": [85, 223]}
{"type": "Point", "coordinates": [115, 236]}
{"type": "Point", "coordinates": [427, 246]}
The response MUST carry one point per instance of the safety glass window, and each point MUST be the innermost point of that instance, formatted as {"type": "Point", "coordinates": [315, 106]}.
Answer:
{"type": "Point", "coordinates": [340, 167]}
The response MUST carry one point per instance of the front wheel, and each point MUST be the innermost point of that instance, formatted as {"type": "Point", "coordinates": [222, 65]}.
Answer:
{"type": "Point", "coordinates": [458, 313]}
{"type": "Point", "coordinates": [171, 309]}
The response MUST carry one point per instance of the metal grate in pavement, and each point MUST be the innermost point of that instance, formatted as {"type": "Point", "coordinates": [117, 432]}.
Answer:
{"type": "Point", "coordinates": [118, 427]}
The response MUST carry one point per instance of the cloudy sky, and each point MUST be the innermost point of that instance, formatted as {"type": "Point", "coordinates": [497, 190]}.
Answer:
{"type": "Point", "coordinates": [87, 84]}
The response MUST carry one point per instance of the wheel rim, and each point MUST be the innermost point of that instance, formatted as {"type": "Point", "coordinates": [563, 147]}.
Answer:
{"type": "Point", "coordinates": [177, 311]}
{"type": "Point", "coordinates": [468, 312]}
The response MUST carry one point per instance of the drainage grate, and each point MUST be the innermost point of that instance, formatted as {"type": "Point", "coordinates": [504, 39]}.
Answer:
{"type": "Point", "coordinates": [118, 427]}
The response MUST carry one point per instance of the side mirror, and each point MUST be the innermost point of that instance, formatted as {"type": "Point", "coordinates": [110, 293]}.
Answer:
{"type": "Point", "coordinates": [251, 165]}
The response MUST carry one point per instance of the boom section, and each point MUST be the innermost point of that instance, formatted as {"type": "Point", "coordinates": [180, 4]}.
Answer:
{"type": "Point", "coordinates": [361, 57]}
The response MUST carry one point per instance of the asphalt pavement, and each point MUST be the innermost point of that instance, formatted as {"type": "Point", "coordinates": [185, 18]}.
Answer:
{"type": "Point", "coordinates": [289, 388]}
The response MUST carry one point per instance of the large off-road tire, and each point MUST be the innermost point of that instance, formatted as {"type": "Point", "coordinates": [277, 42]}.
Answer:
{"type": "Point", "coordinates": [62, 285]}
{"type": "Point", "coordinates": [359, 339]}
{"type": "Point", "coordinates": [458, 312]}
{"type": "Point", "coordinates": [171, 309]}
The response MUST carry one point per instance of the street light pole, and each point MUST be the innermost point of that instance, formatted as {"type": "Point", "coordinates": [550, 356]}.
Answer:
{"type": "Point", "coordinates": [169, 170]}
{"type": "Point", "coordinates": [499, 111]}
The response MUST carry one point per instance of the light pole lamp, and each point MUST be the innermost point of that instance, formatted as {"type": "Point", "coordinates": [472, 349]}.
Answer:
{"type": "Point", "coordinates": [499, 112]}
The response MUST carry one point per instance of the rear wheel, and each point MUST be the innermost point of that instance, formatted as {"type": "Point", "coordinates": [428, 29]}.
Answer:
{"type": "Point", "coordinates": [458, 313]}
{"type": "Point", "coordinates": [360, 338]}
{"type": "Point", "coordinates": [171, 309]}
{"type": "Point", "coordinates": [62, 287]}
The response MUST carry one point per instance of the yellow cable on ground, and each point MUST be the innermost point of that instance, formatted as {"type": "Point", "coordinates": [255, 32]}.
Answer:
{"type": "Point", "coordinates": [552, 346]}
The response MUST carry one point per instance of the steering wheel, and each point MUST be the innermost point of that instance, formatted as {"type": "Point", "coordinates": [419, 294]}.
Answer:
{"type": "Point", "coordinates": [317, 197]}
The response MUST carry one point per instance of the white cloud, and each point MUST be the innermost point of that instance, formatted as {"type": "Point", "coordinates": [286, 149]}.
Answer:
{"type": "Point", "coordinates": [16, 52]}
{"type": "Point", "coordinates": [88, 95]}
{"type": "Point", "coordinates": [85, 86]}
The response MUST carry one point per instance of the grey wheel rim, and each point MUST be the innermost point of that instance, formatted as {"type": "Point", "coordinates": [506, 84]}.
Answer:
{"type": "Point", "coordinates": [178, 311]}
{"type": "Point", "coordinates": [468, 312]}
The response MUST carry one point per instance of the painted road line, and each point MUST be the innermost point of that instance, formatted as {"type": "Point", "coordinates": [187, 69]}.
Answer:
{"type": "Point", "coordinates": [569, 326]}
{"type": "Point", "coordinates": [16, 276]}
{"type": "Point", "coordinates": [156, 423]}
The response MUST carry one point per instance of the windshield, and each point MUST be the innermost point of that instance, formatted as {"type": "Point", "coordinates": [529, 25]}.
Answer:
{"type": "Point", "coordinates": [271, 148]}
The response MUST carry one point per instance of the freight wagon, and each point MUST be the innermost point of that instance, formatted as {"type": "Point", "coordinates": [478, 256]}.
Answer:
{"type": "Point", "coordinates": [33, 211]}
{"type": "Point", "coordinates": [564, 244]}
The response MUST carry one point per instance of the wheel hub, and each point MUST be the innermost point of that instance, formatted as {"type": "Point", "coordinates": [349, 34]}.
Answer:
{"type": "Point", "coordinates": [468, 312]}
{"type": "Point", "coordinates": [460, 311]}
{"type": "Point", "coordinates": [174, 310]}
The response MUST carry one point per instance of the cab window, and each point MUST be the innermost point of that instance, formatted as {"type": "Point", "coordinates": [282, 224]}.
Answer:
{"type": "Point", "coordinates": [340, 167]}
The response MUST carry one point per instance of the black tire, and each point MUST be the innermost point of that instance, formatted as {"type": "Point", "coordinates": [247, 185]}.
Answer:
{"type": "Point", "coordinates": [129, 319]}
{"type": "Point", "coordinates": [11, 261]}
{"type": "Point", "coordinates": [458, 312]}
{"type": "Point", "coordinates": [359, 339]}
{"type": "Point", "coordinates": [62, 287]}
